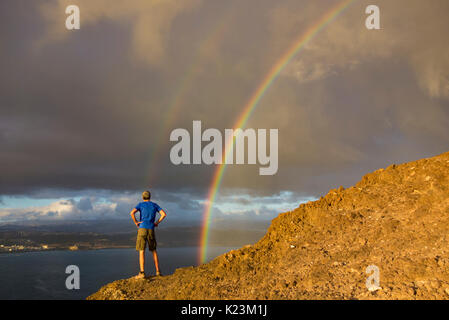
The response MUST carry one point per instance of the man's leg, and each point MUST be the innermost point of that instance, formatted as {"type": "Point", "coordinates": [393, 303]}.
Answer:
{"type": "Point", "coordinates": [156, 261]}
{"type": "Point", "coordinates": [140, 246]}
{"type": "Point", "coordinates": [142, 260]}
{"type": "Point", "coordinates": [152, 244]}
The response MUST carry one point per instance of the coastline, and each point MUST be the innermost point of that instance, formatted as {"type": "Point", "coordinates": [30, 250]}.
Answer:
{"type": "Point", "coordinates": [65, 249]}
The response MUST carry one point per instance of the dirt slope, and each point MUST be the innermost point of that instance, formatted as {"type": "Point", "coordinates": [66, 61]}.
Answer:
{"type": "Point", "coordinates": [395, 218]}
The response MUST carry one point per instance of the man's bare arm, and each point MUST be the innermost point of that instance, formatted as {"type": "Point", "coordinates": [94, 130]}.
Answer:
{"type": "Point", "coordinates": [132, 213]}
{"type": "Point", "coordinates": [163, 215]}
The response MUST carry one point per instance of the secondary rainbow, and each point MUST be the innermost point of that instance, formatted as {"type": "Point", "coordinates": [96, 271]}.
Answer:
{"type": "Point", "coordinates": [185, 86]}
{"type": "Point", "coordinates": [251, 105]}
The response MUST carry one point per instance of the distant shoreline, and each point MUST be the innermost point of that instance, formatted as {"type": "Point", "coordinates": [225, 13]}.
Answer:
{"type": "Point", "coordinates": [102, 248]}
{"type": "Point", "coordinates": [64, 249]}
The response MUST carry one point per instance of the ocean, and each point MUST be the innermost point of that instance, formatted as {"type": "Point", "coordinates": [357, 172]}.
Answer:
{"type": "Point", "coordinates": [41, 275]}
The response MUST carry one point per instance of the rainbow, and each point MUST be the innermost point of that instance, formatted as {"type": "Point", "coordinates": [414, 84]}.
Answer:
{"type": "Point", "coordinates": [251, 105]}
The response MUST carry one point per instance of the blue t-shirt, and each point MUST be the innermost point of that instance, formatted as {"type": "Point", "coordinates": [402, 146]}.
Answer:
{"type": "Point", "coordinates": [148, 212]}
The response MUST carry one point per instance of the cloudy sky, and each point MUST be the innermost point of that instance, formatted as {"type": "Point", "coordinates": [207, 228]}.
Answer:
{"type": "Point", "coordinates": [86, 115]}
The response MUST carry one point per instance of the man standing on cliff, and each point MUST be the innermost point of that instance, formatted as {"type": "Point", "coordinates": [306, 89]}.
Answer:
{"type": "Point", "coordinates": [145, 230]}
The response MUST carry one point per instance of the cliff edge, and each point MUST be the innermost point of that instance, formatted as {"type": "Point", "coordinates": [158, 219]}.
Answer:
{"type": "Point", "coordinates": [395, 218]}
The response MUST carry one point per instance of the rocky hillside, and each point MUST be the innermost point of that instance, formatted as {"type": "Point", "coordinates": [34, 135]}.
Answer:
{"type": "Point", "coordinates": [395, 218]}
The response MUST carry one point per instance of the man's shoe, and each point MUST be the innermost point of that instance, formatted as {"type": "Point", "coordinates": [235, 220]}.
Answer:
{"type": "Point", "coordinates": [158, 273]}
{"type": "Point", "coordinates": [141, 275]}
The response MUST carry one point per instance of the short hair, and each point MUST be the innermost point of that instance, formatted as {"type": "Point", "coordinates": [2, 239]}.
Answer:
{"type": "Point", "coordinates": [146, 195]}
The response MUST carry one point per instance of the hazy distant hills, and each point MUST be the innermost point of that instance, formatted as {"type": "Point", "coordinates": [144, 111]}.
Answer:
{"type": "Point", "coordinates": [95, 234]}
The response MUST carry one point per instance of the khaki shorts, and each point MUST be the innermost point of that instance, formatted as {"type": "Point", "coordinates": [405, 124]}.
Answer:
{"type": "Point", "coordinates": [144, 236]}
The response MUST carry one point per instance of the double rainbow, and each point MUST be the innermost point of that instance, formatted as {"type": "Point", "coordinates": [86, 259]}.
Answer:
{"type": "Point", "coordinates": [251, 105]}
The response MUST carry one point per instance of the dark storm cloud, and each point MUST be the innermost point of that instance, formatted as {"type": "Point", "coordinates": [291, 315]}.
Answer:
{"type": "Point", "coordinates": [84, 110]}
{"type": "Point", "coordinates": [84, 204]}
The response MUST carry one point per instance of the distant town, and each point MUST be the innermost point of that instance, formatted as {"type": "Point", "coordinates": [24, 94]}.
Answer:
{"type": "Point", "coordinates": [14, 241]}
{"type": "Point", "coordinates": [21, 248]}
{"type": "Point", "coordinates": [15, 248]}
